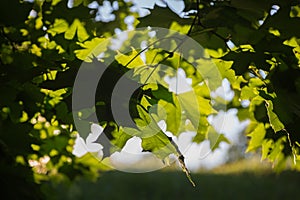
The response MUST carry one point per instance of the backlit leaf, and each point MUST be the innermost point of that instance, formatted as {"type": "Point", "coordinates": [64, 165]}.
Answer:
{"type": "Point", "coordinates": [275, 122]}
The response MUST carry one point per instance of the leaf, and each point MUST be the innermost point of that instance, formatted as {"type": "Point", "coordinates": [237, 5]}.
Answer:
{"type": "Point", "coordinates": [121, 135]}
{"type": "Point", "coordinates": [194, 106]}
{"type": "Point", "coordinates": [266, 148]}
{"type": "Point", "coordinates": [172, 115]}
{"type": "Point", "coordinates": [59, 26]}
{"type": "Point", "coordinates": [148, 74]}
{"type": "Point", "coordinates": [63, 114]}
{"type": "Point", "coordinates": [189, 104]}
{"type": "Point", "coordinates": [146, 119]}
{"type": "Point", "coordinates": [241, 61]}
{"type": "Point", "coordinates": [223, 16]}
{"type": "Point", "coordinates": [275, 122]}
{"type": "Point", "coordinates": [76, 27]}
{"type": "Point", "coordinates": [130, 61]}
{"type": "Point", "coordinates": [162, 17]}
{"type": "Point", "coordinates": [78, 2]}
{"type": "Point", "coordinates": [225, 69]}
{"type": "Point", "coordinates": [247, 93]}
{"type": "Point", "coordinates": [57, 143]}
{"type": "Point", "coordinates": [215, 138]}
{"type": "Point", "coordinates": [162, 93]}
{"type": "Point", "coordinates": [203, 129]}
{"type": "Point", "coordinates": [210, 73]}
{"type": "Point", "coordinates": [91, 49]}
{"type": "Point", "coordinates": [273, 151]}
{"type": "Point", "coordinates": [153, 139]}
{"type": "Point", "coordinates": [62, 26]}
{"type": "Point", "coordinates": [159, 144]}
{"type": "Point", "coordinates": [257, 136]}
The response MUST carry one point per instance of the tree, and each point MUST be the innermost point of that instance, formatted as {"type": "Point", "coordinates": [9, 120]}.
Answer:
{"type": "Point", "coordinates": [253, 44]}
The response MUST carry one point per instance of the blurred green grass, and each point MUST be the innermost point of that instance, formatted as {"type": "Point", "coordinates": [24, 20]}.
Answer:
{"type": "Point", "coordinates": [174, 185]}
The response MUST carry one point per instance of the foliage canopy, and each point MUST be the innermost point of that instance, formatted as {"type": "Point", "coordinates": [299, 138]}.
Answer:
{"type": "Point", "coordinates": [254, 44]}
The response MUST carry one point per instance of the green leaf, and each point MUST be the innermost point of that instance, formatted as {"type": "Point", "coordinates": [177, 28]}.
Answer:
{"type": "Point", "coordinates": [189, 104]}
{"type": "Point", "coordinates": [130, 61]}
{"type": "Point", "coordinates": [153, 139]}
{"type": "Point", "coordinates": [257, 136]}
{"type": "Point", "coordinates": [241, 60]}
{"type": "Point", "coordinates": [273, 151]}
{"type": "Point", "coordinates": [225, 69]}
{"type": "Point", "coordinates": [159, 144]}
{"type": "Point", "coordinates": [162, 93]}
{"type": "Point", "coordinates": [247, 93]}
{"type": "Point", "coordinates": [194, 106]}
{"type": "Point", "coordinates": [145, 117]}
{"type": "Point", "coordinates": [121, 135]}
{"type": "Point", "coordinates": [58, 143]}
{"type": "Point", "coordinates": [202, 131]}
{"type": "Point", "coordinates": [91, 49]}
{"type": "Point", "coordinates": [215, 138]}
{"type": "Point", "coordinates": [209, 72]}
{"type": "Point", "coordinates": [59, 26]}
{"type": "Point", "coordinates": [76, 27]}
{"type": "Point", "coordinates": [162, 17]}
{"type": "Point", "coordinates": [172, 115]}
{"type": "Point", "coordinates": [148, 74]}
{"type": "Point", "coordinates": [77, 2]}
{"type": "Point", "coordinates": [63, 114]}
{"type": "Point", "coordinates": [15, 112]}
{"type": "Point", "coordinates": [275, 122]}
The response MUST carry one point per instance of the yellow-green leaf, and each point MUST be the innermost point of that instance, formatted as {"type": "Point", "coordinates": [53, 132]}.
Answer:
{"type": "Point", "coordinates": [130, 61]}
{"type": "Point", "coordinates": [257, 136]}
{"type": "Point", "coordinates": [59, 26]}
{"type": "Point", "coordinates": [91, 49]}
{"type": "Point", "coordinates": [77, 27]}
{"type": "Point", "coordinates": [275, 122]}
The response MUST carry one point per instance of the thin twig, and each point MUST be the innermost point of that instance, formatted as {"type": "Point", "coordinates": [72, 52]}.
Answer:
{"type": "Point", "coordinates": [213, 30]}
{"type": "Point", "coordinates": [294, 153]}
{"type": "Point", "coordinates": [178, 152]}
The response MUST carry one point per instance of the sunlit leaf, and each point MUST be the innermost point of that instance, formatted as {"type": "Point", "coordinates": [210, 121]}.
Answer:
{"type": "Point", "coordinates": [78, 28]}
{"type": "Point", "coordinates": [130, 61]}
{"type": "Point", "coordinates": [275, 122]}
{"type": "Point", "coordinates": [257, 136]}
{"type": "Point", "coordinates": [215, 138]}
{"type": "Point", "coordinates": [59, 26]}
{"type": "Point", "coordinates": [90, 49]}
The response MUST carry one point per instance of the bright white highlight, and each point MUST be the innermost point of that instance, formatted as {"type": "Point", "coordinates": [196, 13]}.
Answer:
{"type": "Point", "coordinates": [274, 9]}
{"type": "Point", "coordinates": [223, 91]}
{"type": "Point", "coordinates": [143, 6]}
{"type": "Point", "coordinates": [179, 84]}
{"type": "Point", "coordinates": [82, 147]}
